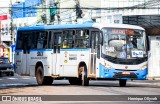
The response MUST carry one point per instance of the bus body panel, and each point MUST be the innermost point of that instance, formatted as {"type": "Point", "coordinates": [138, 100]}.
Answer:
{"type": "Point", "coordinates": [18, 61]}
{"type": "Point", "coordinates": [118, 74]}
{"type": "Point", "coordinates": [70, 59]}
{"type": "Point", "coordinates": [22, 63]}
{"type": "Point", "coordinates": [25, 63]}
{"type": "Point", "coordinates": [117, 71]}
{"type": "Point", "coordinates": [43, 56]}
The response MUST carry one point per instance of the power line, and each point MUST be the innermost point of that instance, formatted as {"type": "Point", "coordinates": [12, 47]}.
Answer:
{"type": "Point", "coordinates": [114, 8]}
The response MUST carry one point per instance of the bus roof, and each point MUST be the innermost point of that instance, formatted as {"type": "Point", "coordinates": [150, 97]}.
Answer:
{"type": "Point", "coordinates": [63, 26]}
{"type": "Point", "coordinates": [74, 26]}
{"type": "Point", "coordinates": [125, 26]}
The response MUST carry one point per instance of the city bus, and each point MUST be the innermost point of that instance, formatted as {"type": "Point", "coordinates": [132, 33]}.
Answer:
{"type": "Point", "coordinates": [81, 52]}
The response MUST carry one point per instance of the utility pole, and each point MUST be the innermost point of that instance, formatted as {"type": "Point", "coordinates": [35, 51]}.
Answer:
{"type": "Point", "coordinates": [11, 23]}
{"type": "Point", "coordinates": [78, 9]}
{"type": "Point", "coordinates": [43, 16]}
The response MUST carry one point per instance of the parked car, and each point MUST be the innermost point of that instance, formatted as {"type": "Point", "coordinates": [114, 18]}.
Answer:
{"type": "Point", "coordinates": [6, 67]}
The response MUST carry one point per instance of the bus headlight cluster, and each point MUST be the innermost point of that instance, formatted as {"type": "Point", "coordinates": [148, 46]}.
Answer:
{"type": "Point", "coordinates": [107, 65]}
{"type": "Point", "coordinates": [143, 67]}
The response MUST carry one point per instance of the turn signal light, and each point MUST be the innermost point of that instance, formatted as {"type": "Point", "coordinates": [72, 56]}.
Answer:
{"type": "Point", "coordinates": [143, 67]}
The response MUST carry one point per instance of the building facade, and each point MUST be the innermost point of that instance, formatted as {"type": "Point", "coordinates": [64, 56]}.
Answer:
{"type": "Point", "coordinates": [31, 12]}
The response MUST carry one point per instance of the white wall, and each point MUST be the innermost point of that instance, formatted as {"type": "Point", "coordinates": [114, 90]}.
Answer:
{"type": "Point", "coordinates": [154, 57]}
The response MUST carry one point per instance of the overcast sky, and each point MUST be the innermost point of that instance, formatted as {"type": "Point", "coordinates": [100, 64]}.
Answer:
{"type": "Point", "coordinates": [5, 4]}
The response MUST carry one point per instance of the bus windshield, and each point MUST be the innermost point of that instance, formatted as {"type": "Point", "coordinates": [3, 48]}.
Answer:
{"type": "Point", "coordinates": [124, 43]}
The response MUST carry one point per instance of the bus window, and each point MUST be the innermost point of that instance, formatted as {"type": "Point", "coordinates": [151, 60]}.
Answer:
{"type": "Point", "coordinates": [65, 40]}
{"type": "Point", "coordinates": [86, 38]}
{"type": "Point", "coordinates": [19, 44]}
{"type": "Point", "coordinates": [27, 42]}
{"type": "Point", "coordinates": [57, 42]}
{"type": "Point", "coordinates": [42, 40]}
{"type": "Point", "coordinates": [68, 39]}
{"type": "Point", "coordinates": [45, 40]}
{"type": "Point", "coordinates": [33, 40]}
{"type": "Point", "coordinates": [79, 38]}
{"type": "Point", "coordinates": [82, 38]}
{"type": "Point", "coordinates": [50, 40]}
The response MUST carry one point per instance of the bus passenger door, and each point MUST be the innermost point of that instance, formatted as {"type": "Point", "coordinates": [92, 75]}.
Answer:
{"type": "Point", "coordinates": [56, 51]}
{"type": "Point", "coordinates": [25, 55]}
{"type": "Point", "coordinates": [95, 51]}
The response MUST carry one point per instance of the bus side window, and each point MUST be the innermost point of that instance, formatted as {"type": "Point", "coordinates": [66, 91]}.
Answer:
{"type": "Point", "coordinates": [67, 39]}
{"type": "Point", "coordinates": [42, 40]}
{"type": "Point", "coordinates": [25, 39]}
{"type": "Point", "coordinates": [19, 44]}
{"type": "Point", "coordinates": [86, 38]}
{"type": "Point", "coordinates": [45, 40]}
{"type": "Point", "coordinates": [74, 39]}
{"type": "Point", "coordinates": [57, 41]}
{"type": "Point", "coordinates": [33, 40]}
{"type": "Point", "coordinates": [79, 39]}
{"type": "Point", "coordinates": [82, 38]}
{"type": "Point", "coordinates": [30, 35]}
{"type": "Point", "coordinates": [70, 39]}
{"type": "Point", "coordinates": [50, 40]}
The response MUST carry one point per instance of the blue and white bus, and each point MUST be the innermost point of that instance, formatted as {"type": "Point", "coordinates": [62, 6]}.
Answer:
{"type": "Point", "coordinates": [82, 52]}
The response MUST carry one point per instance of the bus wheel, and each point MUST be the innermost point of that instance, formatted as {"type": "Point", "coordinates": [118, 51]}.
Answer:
{"type": "Point", "coordinates": [41, 79]}
{"type": "Point", "coordinates": [122, 82]}
{"type": "Point", "coordinates": [85, 80]}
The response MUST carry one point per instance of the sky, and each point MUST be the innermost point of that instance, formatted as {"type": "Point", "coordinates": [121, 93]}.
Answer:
{"type": "Point", "coordinates": [5, 3]}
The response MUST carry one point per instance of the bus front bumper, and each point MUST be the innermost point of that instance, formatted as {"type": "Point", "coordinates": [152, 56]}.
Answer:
{"type": "Point", "coordinates": [122, 73]}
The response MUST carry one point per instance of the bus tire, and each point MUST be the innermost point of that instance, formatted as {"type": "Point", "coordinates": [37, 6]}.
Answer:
{"type": "Point", "coordinates": [41, 79]}
{"type": "Point", "coordinates": [122, 82]}
{"type": "Point", "coordinates": [85, 80]}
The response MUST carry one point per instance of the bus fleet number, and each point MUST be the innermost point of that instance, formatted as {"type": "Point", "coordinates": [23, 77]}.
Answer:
{"type": "Point", "coordinates": [39, 53]}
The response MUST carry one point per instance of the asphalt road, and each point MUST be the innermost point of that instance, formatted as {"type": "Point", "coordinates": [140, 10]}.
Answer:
{"type": "Point", "coordinates": [25, 85]}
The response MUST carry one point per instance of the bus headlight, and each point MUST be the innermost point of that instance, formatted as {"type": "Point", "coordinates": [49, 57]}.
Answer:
{"type": "Point", "coordinates": [107, 65]}
{"type": "Point", "coordinates": [143, 67]}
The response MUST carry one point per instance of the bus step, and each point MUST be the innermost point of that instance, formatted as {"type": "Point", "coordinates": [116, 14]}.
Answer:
{"type": "Point", "coordinates": [54, 76]}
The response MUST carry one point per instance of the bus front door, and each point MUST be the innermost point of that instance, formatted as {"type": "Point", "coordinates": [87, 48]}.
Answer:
{"type": "Point", "coordinates": [94, 53]}
{"type": "Point", "coordinates": [56, 51]}
{"type": "Point", "coordinates": [25, 56]}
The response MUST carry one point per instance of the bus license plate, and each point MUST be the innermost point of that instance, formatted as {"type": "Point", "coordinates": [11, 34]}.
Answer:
{"type": "Point", "coordinates": [126, 72]}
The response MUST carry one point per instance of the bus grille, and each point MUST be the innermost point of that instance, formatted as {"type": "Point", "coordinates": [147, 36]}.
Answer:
{"type": "Point", "coordinates": [3, 68]}
{"type": "Point", "coordinates": [120, 75]}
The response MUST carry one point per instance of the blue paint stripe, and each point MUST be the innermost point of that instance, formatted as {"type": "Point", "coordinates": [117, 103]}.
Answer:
{"type": "Point", "coordinates": [65, 26]}
{"type": "Point", "coordinates": [109, 73]}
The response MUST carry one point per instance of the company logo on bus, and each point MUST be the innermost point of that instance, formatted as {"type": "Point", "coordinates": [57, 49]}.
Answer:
{"type": "Point", "coordinates": [126, 67]}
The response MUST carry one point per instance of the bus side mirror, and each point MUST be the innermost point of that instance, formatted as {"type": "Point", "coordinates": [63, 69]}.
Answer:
{"type": "Point", "coordinates": [101, 39]}
{"type": "Point", "coordinates": [148, 43]}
